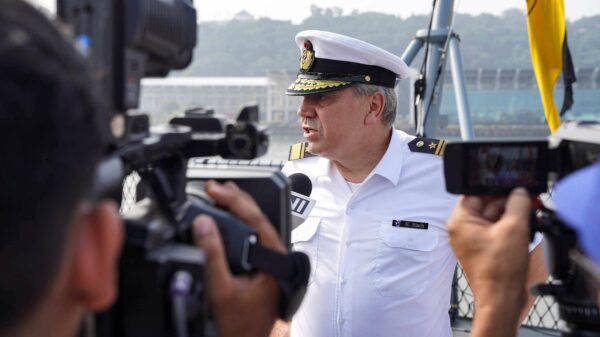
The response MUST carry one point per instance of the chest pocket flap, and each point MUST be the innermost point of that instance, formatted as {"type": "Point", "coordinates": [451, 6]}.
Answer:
{"type": "Point", "coordinates": [424, 240]}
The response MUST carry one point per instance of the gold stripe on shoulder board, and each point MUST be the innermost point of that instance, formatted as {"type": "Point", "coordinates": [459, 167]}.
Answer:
{"type": "Point", "coordinates": [428, 145]}
{"type": "Point", "coordinates": [299, 151]}
{"type": "Point", "coordinates": [441, 147]}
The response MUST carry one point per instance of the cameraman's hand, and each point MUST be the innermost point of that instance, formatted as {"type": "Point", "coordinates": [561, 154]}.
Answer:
{"type": "Point", "coordinates": [490, 237]}
{"type": "Point", "coordinates": [243, 306]}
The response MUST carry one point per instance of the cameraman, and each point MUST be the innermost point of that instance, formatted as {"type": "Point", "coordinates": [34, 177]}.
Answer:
{"type": "Point", "coordinates": [59, 250]}
{"type": "Point", "coordinates": [490, 238]}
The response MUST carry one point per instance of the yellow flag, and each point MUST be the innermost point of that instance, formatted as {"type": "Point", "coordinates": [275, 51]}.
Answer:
{"type": "Point", "coordinates": [549, 53]}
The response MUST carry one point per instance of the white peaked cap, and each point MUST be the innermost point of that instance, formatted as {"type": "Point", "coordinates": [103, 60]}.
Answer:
{"type": "Point", "coordinates": [333, 61]}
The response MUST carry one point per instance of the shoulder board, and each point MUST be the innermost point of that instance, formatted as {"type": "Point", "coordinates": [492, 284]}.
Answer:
{"type": "Point", "coordinates": [299, 151]}
{"type": "Point", "coordinates": [428, 145]}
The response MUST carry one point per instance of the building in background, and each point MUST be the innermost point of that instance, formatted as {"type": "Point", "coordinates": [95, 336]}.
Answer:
{"type": "Point", "coordinates": [164, 98]}
{"type": "Point", "coordinates": [282, 108]}
{"type": "Point", "coordinates": [167, 97]}
{"type": "Point", "coordinates": [510, 96]}
{"type": "Point", "coordinates": [496, 97]}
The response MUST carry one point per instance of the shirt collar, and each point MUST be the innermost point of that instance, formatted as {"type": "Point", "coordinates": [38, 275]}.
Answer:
{"type": "Point", "coordinates": [391, 163]}
{"type": "Point", "coordinates": [388, 167]}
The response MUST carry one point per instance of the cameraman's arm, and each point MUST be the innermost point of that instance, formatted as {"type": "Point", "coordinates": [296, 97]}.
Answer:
{"type": "Point", "coordinates": [490, 239]}
{"type": "Point", "coordinates": [536, 274]}
{"type": "Point", "coordinates": [243, 306]}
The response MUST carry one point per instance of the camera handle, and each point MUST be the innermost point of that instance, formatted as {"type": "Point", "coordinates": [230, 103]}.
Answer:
{"type": "Point", "coordinates": [246, 255]}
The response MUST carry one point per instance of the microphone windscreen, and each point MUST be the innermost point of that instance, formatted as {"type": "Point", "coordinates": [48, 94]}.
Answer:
{"type": "Point", "coordinates": [301, 184]}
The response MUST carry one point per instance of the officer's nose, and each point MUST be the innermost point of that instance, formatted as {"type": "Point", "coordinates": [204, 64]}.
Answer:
{"type": "Point", "coordinates": [306, 108]}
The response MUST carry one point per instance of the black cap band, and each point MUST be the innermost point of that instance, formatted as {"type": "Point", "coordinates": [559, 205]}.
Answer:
{"type": "Point", "coordinates": [350, 71]}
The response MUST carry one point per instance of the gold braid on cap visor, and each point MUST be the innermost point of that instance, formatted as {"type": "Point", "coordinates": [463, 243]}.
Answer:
{"type": "Point", "coordinates": [305, 84]}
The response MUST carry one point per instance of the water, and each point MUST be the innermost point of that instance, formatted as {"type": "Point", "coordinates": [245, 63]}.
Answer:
{"type": "Point", "coordinates": [279, 146]}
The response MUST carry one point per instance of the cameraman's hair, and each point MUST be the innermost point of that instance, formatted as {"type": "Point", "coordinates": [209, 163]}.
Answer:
{"type": "Point", "coordinates": [50, 142]}
{"type": "Point", "coordinates": [391, 102]}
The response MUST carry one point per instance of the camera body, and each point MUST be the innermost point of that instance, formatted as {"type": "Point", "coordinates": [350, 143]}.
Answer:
{"type": "Point", "coordinates": [497, 167]}
{"type": "Point", "coordinates": [161, 288]}
{"type": "Point", "coordinates": [244, 139]}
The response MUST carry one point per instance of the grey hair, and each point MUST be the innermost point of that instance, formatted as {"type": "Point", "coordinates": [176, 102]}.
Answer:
{"type": "Point", "coordinates": [391, 102]}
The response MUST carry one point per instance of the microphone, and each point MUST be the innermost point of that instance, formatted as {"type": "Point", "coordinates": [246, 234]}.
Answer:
{"type": "Point", "coordinates": [302, 205]}
{"type": "Point", "coordinates": [300, 183]}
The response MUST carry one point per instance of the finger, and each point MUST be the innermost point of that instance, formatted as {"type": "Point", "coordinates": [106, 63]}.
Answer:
{"type": "Point", "coordinates": [467, 214]}
{"type": "Point", "coordinates": [493, 209]}
{"type": "Point", "coordinates": [219, 278]}
{"type": "Point", "coordinates": [517, 209]}
{"type": "Point", "coordinates": [462, 216]}
{"type": "Point", "coordinates": [518, 204]}
{"type": "Point", "coordinates": [471, 204]}
{"type": "Point", "coordinates": [244, 207]}
{"type": "Point", "coordinates": [237, 201]}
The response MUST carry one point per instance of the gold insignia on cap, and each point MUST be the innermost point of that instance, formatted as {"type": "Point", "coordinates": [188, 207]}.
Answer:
{"type": "Point", "coordinates": [308, 56]}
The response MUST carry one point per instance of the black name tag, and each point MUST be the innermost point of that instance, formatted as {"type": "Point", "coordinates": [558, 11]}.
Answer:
{"type": "Point", "coordinates": [410, 224]}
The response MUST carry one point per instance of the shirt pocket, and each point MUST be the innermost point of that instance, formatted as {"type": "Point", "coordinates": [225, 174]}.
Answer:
{"type": "Point", "coordinates": [403, 260]}
{"type": "Point", "coordinates": [305, 240]}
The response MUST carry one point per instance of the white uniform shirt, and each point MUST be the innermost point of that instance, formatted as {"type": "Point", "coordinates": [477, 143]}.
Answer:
{"type": "Point", "coordinates": [370, 276]}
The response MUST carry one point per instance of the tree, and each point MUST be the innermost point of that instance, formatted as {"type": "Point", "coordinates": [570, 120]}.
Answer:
{"type": "Point", "coordinates": [251, 48]}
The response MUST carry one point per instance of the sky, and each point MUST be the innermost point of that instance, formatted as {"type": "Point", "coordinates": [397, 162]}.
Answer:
{"type": "Point", "coordinates": [298, 10]}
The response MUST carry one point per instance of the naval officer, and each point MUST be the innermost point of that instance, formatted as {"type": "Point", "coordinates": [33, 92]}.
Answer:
{"type": "Point", "coordinates": [381, 261]}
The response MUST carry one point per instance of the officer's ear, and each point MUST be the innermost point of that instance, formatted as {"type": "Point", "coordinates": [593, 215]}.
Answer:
{"type": "Point", "coordinates": [96, 246]}
{"type": "Point", "coordinates": [376, 104]}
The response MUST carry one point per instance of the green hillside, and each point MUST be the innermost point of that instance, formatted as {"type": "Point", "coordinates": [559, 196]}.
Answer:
{"type": "Point", "coordinates": [250, 48]}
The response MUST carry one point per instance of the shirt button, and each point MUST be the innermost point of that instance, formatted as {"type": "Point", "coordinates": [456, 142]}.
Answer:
{"type": "Point", "coordinates": [348, 243]}
{"type": "Point", "coordinates": [343, 281]}
{"type": "Point", "coordinates": [342, 321]}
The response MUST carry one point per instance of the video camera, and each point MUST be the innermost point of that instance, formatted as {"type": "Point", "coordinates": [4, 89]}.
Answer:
{"type": "Point", "coordinates": [161, 290]}
{"type": "Point", "coordinates": [497, 167]}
